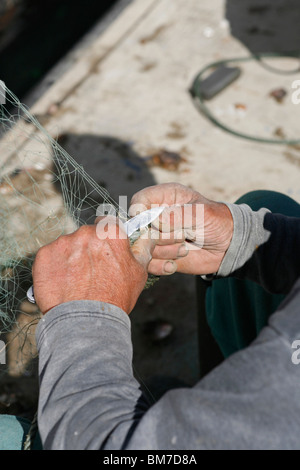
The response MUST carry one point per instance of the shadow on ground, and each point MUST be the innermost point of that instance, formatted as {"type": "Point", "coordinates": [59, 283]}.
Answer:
{"type": "Point", "coordinates": [265, 25]}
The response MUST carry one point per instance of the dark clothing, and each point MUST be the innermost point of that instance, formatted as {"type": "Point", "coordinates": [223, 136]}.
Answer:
{"type": "Point", "coordinates": [238, 309]}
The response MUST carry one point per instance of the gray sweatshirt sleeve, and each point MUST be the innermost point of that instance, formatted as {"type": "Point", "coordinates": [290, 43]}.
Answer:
{"type": "Point", "coordinates": [89, 398]}
{"type": "Point", "coordinates": [265, 248]}
{"type": "Point", "coordinates": [87, 389]}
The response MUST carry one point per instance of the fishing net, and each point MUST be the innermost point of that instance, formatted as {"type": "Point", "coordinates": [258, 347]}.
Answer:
{"type": "Point", "coordinates": [44, 193]}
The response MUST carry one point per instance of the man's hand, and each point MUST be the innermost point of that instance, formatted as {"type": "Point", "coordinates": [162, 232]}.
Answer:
{"type": "Point", "coordinates": [93, 263]}
{"type": "Point", "coordinates": [188, 243]}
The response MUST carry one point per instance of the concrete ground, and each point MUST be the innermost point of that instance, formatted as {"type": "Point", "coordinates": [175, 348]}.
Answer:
{"type": "Point", "coordinates": [125, 97]}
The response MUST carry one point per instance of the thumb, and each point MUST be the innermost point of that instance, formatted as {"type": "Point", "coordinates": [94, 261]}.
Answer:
{"type": "Point", "coordinates": [143, 248]}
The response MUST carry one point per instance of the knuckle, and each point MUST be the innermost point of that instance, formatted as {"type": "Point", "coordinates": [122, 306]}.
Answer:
{"type": "Point", "coordinates": [137, 207]}
{"type": "Point", "coordinates": [42, 256]}
{"type": "Point", "coordinates": [39, 256]}
{"type": "Point", "coordinates": [82, 236]}
{"type": "Point", "coordinates": [43, 252]}
{"type": "Point", "coordinates": [59, 245]}
{"type": "Point", "coordinates": [84, 231]}
{"type": "Point", "coordinates": [139, 196]}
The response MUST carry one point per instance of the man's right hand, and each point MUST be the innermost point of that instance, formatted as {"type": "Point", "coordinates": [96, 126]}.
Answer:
{"type": "Point", "coordinates": [188, 243]}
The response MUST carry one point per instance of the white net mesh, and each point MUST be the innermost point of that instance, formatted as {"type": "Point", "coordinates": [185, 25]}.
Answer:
{"type": "Point", "coordinates": [44, 193]}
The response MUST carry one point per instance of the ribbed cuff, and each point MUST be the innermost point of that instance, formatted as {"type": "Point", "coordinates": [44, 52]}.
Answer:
{"type": "Point", "coordinates": [248, 234]}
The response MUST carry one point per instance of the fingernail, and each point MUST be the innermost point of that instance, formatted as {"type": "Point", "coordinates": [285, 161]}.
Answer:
{"type": "Point", "coordinates": [170, 267]}
{"type": "Point", "coordinates": [183, 251]}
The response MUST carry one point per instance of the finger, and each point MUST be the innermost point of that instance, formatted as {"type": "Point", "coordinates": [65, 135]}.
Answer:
{"type": "Point", "coordinates": [146, 197]}
{"type": "Point", "coordinates": [171, 238]}
{"type": "Point", "coordinates": [190, 264]}
{"type": "Point", "coordinates": [171, 252]}
{"type": "Point", "coordinates": [167, 193]}
{"type": "Point", "coordinates": [176, 218]}
{"type": "Point", "coordinates": [160, 267]}
{"type": "Point", "coordinates": [139, 207]}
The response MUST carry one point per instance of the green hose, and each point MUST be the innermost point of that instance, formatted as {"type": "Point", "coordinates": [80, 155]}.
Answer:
{"type": "Point", "coordinates": [196, 93]}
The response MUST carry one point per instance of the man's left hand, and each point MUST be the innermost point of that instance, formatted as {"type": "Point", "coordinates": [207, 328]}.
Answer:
{"type": "Point", "coordinates": [93, 263]}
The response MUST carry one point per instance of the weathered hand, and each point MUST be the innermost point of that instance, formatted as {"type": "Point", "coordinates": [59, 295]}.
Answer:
{"type": "Point", "coordinates": [195, 232]}
{"type": "Point", "coordinates": [93, 263]}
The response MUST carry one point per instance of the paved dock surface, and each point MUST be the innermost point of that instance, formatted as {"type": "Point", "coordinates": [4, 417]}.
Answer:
{"type": "Point", "coordinates": [126, 97]}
